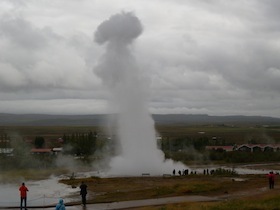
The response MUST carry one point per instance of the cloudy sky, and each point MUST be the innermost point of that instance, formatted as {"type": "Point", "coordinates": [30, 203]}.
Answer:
{"type": "Point", "coordinates": [213, 57]}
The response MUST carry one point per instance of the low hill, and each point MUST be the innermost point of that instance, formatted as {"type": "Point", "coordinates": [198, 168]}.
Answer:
{"type": "Point", "coordinates": [206, 119]}
{"type": "Point", "coordinates": [100, 120]}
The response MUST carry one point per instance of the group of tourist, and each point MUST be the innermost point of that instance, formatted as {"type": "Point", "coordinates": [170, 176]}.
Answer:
{"type": "Point", "coordinates": [60, 206]}
{"type": "Point", "coordinates": [185, 172]}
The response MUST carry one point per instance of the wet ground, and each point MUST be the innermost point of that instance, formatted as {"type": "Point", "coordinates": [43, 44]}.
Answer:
{"type": "Point", "coordinates": [40, 193]}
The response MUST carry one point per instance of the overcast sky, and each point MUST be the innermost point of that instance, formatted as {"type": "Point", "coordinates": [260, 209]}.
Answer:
{"type": "Point", "coordinates": [216, 57]}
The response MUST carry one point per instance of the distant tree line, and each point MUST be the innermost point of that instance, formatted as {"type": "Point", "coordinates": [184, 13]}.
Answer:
{"type": "Point", "coordinates": [21, 157]}
{"type": "Point", "coordinates": [4, 136]}
{"type": "Point", "coordinates": [244, 157]}
{"type": "Point", "coordinates": [39, 142]}
{"type": "Point", "coordinates": [80, 144]}
{"type": "Point", "coordinates": [5, 141]}
{"type": "Point", "coordinates": [184, 143]}
{"type": "Point", "coordinates": [187, 149]}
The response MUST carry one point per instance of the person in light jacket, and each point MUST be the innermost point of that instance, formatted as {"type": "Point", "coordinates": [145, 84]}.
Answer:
{"type": "Point", "coordinates": [60, 205]}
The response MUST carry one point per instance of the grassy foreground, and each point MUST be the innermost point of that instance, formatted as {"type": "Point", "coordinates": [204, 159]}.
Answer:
{"type": "Point", "coordinates": [248, 192]}
{"type": "Point", "coordinates": [269, 201]}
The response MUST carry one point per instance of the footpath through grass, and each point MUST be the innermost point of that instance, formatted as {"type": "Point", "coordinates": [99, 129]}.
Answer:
{"type": "Point", "coordinates": [269, 201]}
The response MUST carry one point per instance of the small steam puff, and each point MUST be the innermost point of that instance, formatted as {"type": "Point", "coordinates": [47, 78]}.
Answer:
{"type": "Point", "coordinates": [120, 73]}
{"type": "Point", "coordinates": [122, 27]}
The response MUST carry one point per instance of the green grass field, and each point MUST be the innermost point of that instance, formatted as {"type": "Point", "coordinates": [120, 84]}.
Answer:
{"type": "Point", "coordinates": [249, 194]}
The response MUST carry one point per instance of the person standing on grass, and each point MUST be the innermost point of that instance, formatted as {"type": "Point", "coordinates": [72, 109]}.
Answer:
{"type": "Point", "coordinates": [271, 179]}
{"type": "Point", "coordinates": [83, 193]}
{"type": "Point", "coordinates": [23, 195]}
{"type": "Point", "coordinates": [60, 205]}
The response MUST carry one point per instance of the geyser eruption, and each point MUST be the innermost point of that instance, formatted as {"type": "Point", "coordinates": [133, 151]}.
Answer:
{"type": "Point", "coordinates": [120, 74]}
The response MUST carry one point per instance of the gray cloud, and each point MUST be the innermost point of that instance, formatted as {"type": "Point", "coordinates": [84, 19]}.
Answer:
{"type": "Point", "coordinates": [38, 60]}
{"type": "Point", "coordinates": [213, 57]}
{"type": "Point", "coordinates": [21, 33]}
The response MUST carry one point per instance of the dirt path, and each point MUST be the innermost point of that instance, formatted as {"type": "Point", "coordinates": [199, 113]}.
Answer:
{"type": "Point", "coordinates": [139, 203]}
{"type": "Point", "coordinates": [168, 200]}
{"type": "Point", "coordinates": [249, 193]}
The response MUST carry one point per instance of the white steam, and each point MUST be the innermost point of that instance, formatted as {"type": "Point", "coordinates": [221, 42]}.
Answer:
{"type": "Point", "coordinates": [120, 74]}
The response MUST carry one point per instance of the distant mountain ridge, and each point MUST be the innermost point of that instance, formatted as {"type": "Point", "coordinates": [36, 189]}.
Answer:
{"type": "Point", "coordinates": [101, 119]}
{"type": "Point", "coordinates": [207, 119]}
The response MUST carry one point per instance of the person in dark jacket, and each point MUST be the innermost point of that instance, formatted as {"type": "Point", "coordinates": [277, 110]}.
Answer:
{"type": "Point", "coordinates": [23, 195]}
{"type": "Point", "coordinates": [83, 193]}
{"type": "Point", "coordinates": [60, 205]}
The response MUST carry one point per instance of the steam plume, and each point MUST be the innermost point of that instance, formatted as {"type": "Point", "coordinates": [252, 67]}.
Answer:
{"type": "Point", "coordinates": [121, 75]}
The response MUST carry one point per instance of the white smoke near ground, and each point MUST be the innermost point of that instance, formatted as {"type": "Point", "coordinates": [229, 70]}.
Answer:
{"type": "Point", "coordinates": [120, 73]}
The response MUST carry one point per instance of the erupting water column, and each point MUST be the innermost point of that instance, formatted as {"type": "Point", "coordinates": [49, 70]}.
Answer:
{"type": "Point", "coordinates": [121, 75]}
